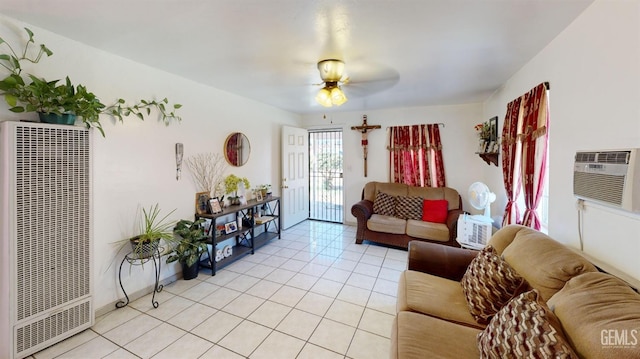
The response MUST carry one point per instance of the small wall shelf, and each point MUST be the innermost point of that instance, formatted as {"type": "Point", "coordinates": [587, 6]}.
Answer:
{"type": "Point", "coordinates": [490, 157]}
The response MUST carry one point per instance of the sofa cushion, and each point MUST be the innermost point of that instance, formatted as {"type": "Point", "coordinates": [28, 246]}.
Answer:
{"type": "Point", "coordinates": [600, 315]}
{"type": "Point", "coordinates": [524, 328]}
{"type": "Point", "coordinates": [435, 193]}
{"type": "Point", "coordinates": [434, 210]}
{"type": "Point", "coordinates": [420, 336]}
{"type": "Point", "coordinates": [544, 263]}
{"type": "Point", "coordinates": [428, 230]}
{"type": "Point", "coordinates": [394, 189]}
{"type": "Point", "coordinates": [435, 296]}
{"type": "Point", "coordinates": [384, 204]}
{"type": "Point", "coordinates": [409, 207]}
{"type": "Point", "coordinates": [489, 283]}
{"type": "Point", "coordinates": [386, 224]}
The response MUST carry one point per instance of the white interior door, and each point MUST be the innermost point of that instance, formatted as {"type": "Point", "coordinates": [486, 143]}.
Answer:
{"type": "Point", "coordinates": [295, 176]}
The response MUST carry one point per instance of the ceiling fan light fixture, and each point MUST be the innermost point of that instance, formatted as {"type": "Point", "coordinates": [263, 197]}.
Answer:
{"type": "Point", "coordinates": [337, 96]}
{"type": "Point", "coordinates": [324, 97]}
{"type": "Point", "coordinates": [331, 70]}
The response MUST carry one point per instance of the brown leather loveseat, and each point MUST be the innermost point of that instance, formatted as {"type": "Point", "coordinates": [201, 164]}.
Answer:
{"type": "Point", "coordinates": [395, 214]}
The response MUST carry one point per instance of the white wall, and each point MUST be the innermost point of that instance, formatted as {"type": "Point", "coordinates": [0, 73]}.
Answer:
{"type": "Point", "coordinates": [135, 164]}
{"type": "Point", "coordinates": [594, 71]}
{"type": "Point", "coordinates": [459, 142]}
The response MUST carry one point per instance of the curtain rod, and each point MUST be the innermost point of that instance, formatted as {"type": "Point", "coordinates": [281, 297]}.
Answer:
{"type": "Point", "coordinates": [439, 124]}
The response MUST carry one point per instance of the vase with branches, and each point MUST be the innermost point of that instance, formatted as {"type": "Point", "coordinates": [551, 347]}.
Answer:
{"type": "Point", "coordinates": [207, 171]}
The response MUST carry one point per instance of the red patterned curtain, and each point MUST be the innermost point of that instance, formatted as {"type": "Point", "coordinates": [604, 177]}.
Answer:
{"type": "Point", "coordinates": [436, 151]}
{"type": "Point", "coordinates": [534, 151]}
{"type": "Point", "coordinates": [511, 161]}
{"type": "Point", "coordinates": [415, 156]}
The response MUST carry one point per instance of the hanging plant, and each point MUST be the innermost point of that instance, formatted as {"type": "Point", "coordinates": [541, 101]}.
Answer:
{"type": "Point", "coordinates": [34, 94]}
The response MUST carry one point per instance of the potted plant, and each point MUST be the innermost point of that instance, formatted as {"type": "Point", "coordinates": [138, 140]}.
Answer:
{"type": "Point", "coordinates": [62, 103]}
{"type": "Point", "coordinates": [153, 228]}
{"type": "Point", "coordinates": [190, 244]}
{"type": "Point", "coordinates": [264, 189]}
{"type": "Point", "coordinates": [231, 183]}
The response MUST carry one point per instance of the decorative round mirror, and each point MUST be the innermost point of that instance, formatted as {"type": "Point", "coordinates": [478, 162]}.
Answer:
{"type": "Point", "coordinates": [237, 149]}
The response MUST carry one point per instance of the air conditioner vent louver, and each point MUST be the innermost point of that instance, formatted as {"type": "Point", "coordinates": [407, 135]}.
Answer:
{"type": "Point", "coordinates": [602, 187]}
{"type": "Point", "coordinates": [604, 157]}
{"type": "Point", "coordinates": [613, 157]}
{"type": "Point", "coordinates": [473, 233]}
{"type": "Point", "coordinates": [585, 157]}
{"type": "Point", "coordinates": [609, 177]}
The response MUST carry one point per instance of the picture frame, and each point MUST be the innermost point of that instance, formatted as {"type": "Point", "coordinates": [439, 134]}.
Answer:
{"type": "Point", "coordinates": [491, 147]}
{"type": "Point", "coordinates": [482, 146]}
{"type": "Point", "coordinates": [214, 206]}
{"type": "Point", "coordinates": [493, 131]}
{"type": "Point", "coordinates": [230, 227]}
{"type": "Point", "coordinates": [202, 199]}
{"type": "Point", "coordinates": [259, 197]}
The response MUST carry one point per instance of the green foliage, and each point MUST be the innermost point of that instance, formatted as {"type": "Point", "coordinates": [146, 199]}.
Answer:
{"type": "Point", "coordinates": [153, 228]}
{"type": "Point", "coordinates": [329, 165]}
{"type": "Point", "coordinates": [231, 183]}
{"type": "Point", "coordinates": [40, 95]}
{"type": "Point", "coordinates": [190, 242]}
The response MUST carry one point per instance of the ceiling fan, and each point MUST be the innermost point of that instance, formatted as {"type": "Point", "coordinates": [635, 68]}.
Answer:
{"type": "Point", "coordinates": [331, 73]}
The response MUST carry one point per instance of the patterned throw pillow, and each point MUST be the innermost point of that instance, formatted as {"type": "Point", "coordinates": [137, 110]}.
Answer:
{"type": "Point", "coordinates": [489, 283]}
{"type": "Point", "coordinates": [384, 204]}
{"type": "Point", "coordinates": [524, 328]}
{"type": "Point", "coordinates": [409, 207]}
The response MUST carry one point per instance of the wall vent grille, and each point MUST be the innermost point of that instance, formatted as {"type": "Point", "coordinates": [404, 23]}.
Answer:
{"type": "Point", "coordinates": [50, 328]}
{"type": "Point", "coordinates": [45, 247]}
{"type": "Point", "coordinates": [52, 204]}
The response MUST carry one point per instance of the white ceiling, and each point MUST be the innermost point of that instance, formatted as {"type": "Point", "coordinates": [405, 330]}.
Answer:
{"type": "Point", "coordinates": [398, 53]}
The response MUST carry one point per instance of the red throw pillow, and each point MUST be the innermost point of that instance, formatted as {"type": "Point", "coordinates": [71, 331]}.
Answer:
{"type": "Point", "coordinates": [435, 210]}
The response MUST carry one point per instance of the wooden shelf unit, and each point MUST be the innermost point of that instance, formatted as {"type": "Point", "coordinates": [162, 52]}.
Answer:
{"type": "Point", "coordinates": [246, 240]}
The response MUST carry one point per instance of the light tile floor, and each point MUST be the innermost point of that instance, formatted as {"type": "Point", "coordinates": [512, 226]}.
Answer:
{"type": "Point", "coordinates": [312, 294]}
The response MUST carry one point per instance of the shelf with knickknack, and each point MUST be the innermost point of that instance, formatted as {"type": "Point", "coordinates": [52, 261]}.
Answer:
{"type": "Point", "coordinates": [248, 226]}
{"type": "Point", "coordinates": [488, 142]}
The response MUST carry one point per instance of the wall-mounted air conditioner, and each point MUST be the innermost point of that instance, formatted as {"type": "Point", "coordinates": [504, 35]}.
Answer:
{"type": "Point", "coordinates": [611, 178]}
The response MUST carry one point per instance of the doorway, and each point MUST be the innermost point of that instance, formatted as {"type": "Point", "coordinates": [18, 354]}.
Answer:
{"type": "Point", "coordinates": [326, 185]}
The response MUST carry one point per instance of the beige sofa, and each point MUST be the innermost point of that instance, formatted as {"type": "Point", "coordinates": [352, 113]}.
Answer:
{"type": "Point", "coordinates": [395, 231]}
{"type": "Point", "coordinates": [599, 314]}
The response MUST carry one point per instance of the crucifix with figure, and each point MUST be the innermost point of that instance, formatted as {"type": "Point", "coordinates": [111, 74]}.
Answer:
{"type": "Point", "coordinates": [364, 129]}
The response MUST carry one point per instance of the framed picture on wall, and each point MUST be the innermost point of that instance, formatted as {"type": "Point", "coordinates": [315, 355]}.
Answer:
{"type": "Point", "coordinates": [493, 130]}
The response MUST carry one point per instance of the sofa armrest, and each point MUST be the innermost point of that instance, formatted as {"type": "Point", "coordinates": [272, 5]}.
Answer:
{"type": "Point", "coordinates": [452, 223]}
{"type": "Point", "coordinates": [362, 210]}
{"type": "Point", "coordinates": [442, 261]}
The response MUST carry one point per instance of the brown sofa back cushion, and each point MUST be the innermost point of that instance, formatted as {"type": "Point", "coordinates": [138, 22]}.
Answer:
{"type": "Point", "coordinates": [544, 263]}
{"type": "Point", "coordinates": [398, 189]}
{"type": "Point", "coordinates": [600, 315]}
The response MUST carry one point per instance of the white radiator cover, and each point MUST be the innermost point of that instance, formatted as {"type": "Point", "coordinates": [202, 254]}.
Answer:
{"type": "Point", "coordinates": [46, 289]}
